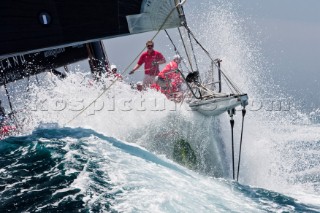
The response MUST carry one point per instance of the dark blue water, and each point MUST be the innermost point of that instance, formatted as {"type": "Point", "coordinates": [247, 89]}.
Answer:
{"type": "Point", "coordinates": [38, 173]}
{"type": "Point", "coordinates": [34, 171]}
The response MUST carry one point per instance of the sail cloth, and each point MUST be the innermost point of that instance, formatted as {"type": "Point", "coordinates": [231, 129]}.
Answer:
{"type": "Point", "coordinates": [22, 66]}
{"type": "Point", "coordinates": [155, 14]}
{"type": "Point", "coordinates": [50, 24]}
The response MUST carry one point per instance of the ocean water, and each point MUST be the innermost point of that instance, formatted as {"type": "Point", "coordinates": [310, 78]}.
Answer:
{"type": "Point", "coordinates": [76, 153]}
{"type": "Point", "coordinates": [80, 170]}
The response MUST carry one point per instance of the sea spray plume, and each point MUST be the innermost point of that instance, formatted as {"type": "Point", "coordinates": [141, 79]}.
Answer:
{"type": "Point", "coordinates": [268, 127]}
{"type": "Point", "coordinates": [147, 118]}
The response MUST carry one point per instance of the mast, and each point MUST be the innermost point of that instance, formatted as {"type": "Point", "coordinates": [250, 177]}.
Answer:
{"type": "Point", "coordinates": [181, 13]}
{"type": "Point", "coordinates": [98, 60]}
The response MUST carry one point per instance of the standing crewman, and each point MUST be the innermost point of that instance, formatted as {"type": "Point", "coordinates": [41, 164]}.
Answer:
{"type": "Point", "coordinates": [151, 60]}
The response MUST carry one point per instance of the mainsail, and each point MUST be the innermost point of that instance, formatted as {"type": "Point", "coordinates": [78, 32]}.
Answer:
{"type": "Point", "coordinates": [32, 29]}
{"type": "Point", "coordinates": [33, 25]}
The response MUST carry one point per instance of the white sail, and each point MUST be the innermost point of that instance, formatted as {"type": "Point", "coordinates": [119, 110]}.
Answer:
{"type": "Point", "coordinates": [154, 14]}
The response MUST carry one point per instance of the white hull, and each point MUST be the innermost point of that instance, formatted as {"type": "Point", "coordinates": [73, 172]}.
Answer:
{"type": "Point", "coordinates": [218, 105]}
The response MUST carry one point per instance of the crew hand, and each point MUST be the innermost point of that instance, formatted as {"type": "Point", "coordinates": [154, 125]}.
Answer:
{"type": "Point", "coordinates": [154, 63]}
{"type": "Point", "coordinates": [131, 72]}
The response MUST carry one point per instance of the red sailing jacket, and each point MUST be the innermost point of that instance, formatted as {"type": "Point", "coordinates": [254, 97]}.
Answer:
{"type": "Point", "coordinates": [150, 68]}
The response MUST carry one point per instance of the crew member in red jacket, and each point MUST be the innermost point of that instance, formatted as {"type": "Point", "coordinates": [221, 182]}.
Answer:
{"type": "Point", "coordinates": [151, 60]}
{"type": "Point", "coordinates": [169, 79]}
{"type": "Point", "coordinates": [114, 73]}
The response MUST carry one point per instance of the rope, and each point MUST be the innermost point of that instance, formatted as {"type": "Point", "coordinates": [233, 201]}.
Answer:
{"type": "Point", "coordinates": [194, 55]}
{"type": "Point", "coordinates": [228, 84]}
{"type": "Point", "coordinates": [189, 31]}
{"type": "Point", "coordinates": [190, 88]}
{"type": "Point", "coordinates": [232, 84]}
{"type": "Point", "coordinates": [176, 50]}
{"type": "Point", "coordinates": [231, 113]}
{"type": "Point", "coordinates": [185, 48]}
{"type": "Point", "coordinates": [243, 114]}
{"type": "Point", "coordinates": [10, 104]}
{"type": "Point", "coordinates": [126, 69]}
{"type": "Point", "coordinates": [9, 99]}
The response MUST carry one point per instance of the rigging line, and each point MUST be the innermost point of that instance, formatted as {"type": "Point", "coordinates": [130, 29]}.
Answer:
{"type": "Point", "coordinates": [233, 90]}
{"type": "Point", "coordinates": [188, 85]}
{"type": "Point", "coordinates": [126, 69]}
{"type": "Point", "coordinates": [185, 49]}
{"type": "Point", "coordinates": [232, 83]}
{"type": "Point", "coordinates": [236, 88]}
{"type": "Point", "coordinates": [243, 114]}
{"type": "Point", "coordinates": [10, 104]}
{"type": "Point", "coordinates": [162, 25]}
{"type": "Point", "coordinates": [231, 113]}
{"type": "Point", "coordinates": [7, 93]}
{"type": "Point", "coordinates": [196, 40]}
{"type": "Point", "coordinates": [194, 55]}
{"type": "Point", "coordinates": [176, 50]}
{"type": "Point", "coordinates": [228, 84]}
{"type": "Point", "coordinates": [208, 54]}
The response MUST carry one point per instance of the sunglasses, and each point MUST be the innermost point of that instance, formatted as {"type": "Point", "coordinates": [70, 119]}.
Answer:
{"type": "Point", "coordinates": [150, 46]}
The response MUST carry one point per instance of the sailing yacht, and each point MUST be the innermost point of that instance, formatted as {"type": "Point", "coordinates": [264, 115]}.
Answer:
{"type": "Point", "coordinates": [48, 36]}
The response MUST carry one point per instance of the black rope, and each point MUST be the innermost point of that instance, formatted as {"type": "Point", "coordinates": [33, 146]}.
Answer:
{"type": "Point", "coordinates": [208, 54]}
{"type": "Point", "coordinates": [8, 96]}
{"type": "Point", "coordinates": [10, 104]}
{"type": "Point", "coordinates": [188, 85]}
{"type": "Point", "coordinates": [189, 31]}
{"type": "Point", "coordinates": [232, 124]}
{"type": "Point", "coordinates": [232, 84]}
{"type": "Point", "coordinates": [243, 114]}
{"type": "Point", "coordinates": [231, 113]}
{"type": "Point", "coordinates": [194, 55]}
{"type": "Point", "coordinates": [176, 50]}
{"type": "Point", "coordinates": [185, 48]}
